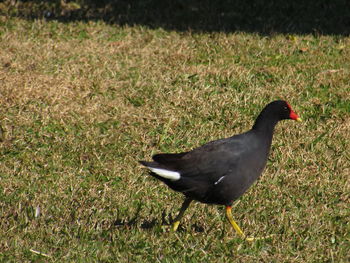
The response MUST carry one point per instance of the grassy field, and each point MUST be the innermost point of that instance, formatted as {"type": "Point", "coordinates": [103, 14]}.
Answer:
{"type": "Point", "coordinates": [82, 102]}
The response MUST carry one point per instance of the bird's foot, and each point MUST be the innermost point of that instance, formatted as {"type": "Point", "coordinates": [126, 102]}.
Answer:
{"type": "Point", "coordinates": [251, 239]}
{"type": "Point", "coordinates": [175, 226]}
{"type": "Point", "coordinates": [171, 228]}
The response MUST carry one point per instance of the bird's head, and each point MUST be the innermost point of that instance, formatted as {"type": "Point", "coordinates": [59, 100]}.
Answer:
{"type": "Point", "coordinates": [288, 113]}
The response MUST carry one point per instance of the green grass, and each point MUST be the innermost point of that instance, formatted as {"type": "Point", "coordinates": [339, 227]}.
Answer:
{"type": "Point", "coordinates": [81, 103]}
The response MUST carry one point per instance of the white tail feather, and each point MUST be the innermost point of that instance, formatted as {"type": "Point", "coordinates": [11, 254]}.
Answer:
{"type": "Point", "coordinates": [171, 175]}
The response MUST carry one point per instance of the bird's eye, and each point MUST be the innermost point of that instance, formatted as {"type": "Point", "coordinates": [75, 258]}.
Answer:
{"type": "Point", "coordinates": [285, 108]}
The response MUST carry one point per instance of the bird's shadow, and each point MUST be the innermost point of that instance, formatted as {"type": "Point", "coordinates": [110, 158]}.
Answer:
{"type": "Point", "coordinates": [146, 224]}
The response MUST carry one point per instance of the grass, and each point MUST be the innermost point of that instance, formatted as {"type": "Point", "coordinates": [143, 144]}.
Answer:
{"type": "Point", "coordinates": [81, 102]}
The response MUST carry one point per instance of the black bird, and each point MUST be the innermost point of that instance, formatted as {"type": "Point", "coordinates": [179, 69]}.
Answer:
{"type": "Point", "coordinates": [220, 171]}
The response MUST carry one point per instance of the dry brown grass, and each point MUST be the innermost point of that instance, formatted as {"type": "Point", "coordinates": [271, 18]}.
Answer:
{"type": "Point", "coordinates": [82, 102]}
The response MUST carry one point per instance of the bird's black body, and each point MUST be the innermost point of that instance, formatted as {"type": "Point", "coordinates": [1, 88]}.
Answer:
{"type": "Point", "coordinates": [221, 171]}
{"type": "Point", "coordinates": [201, 169]}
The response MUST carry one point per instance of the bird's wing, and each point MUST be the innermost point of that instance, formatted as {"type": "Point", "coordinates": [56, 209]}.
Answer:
{"type": "Point", "coordinates": [210, 161]}
{"type": "Point", "coordinates": [169, 159]}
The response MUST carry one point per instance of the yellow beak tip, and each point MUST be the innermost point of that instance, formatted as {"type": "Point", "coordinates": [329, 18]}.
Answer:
{"type": "Point", "coordinates": [299, 120]}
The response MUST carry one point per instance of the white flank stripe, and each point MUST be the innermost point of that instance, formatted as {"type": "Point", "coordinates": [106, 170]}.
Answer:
{"type": "Point", "coordinates": [166, 173]}
{"type": "Point", "coordinates": [218, 181]}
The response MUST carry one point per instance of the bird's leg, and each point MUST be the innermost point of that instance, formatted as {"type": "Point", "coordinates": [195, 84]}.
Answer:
{"type": "Point", "coordinates": [238, 229]}
{"type": "Point", "coordinates": [183, 208]}
{"type": "Point", "coordinates": [233, 223]}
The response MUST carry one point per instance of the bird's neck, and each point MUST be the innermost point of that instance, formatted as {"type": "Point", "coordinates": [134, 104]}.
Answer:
{"type": "Point", "coordinates": [264, 126]}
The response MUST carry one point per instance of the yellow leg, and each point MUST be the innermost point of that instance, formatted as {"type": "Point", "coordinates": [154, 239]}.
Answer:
{"type": "Point", "coordinates": [238, 229]}
{"type": "Point", "coordinates": [184, 206]}
{"type": "Point", "coordinates": [233, 223]}
{"type": "Point", "coordinates": [175, 225]}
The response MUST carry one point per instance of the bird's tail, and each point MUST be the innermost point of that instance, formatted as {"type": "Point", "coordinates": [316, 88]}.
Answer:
{"type": "Point", "coordinates": [161, 171]}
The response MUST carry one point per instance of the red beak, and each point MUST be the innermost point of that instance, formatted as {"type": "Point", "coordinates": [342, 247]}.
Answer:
{"type": "Point", "coordinates": [294, 116]}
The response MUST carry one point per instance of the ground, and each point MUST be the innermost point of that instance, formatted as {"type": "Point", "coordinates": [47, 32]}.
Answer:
{"type": "Point", "coordinates": [83, 101]}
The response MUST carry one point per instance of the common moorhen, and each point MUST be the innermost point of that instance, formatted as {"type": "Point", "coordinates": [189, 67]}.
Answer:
{"type": "Point", "coordinates": [220, 171]}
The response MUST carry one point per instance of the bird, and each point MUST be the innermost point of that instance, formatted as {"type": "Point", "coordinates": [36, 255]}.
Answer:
{"type": "Point", "coordinates": [221, 171]}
